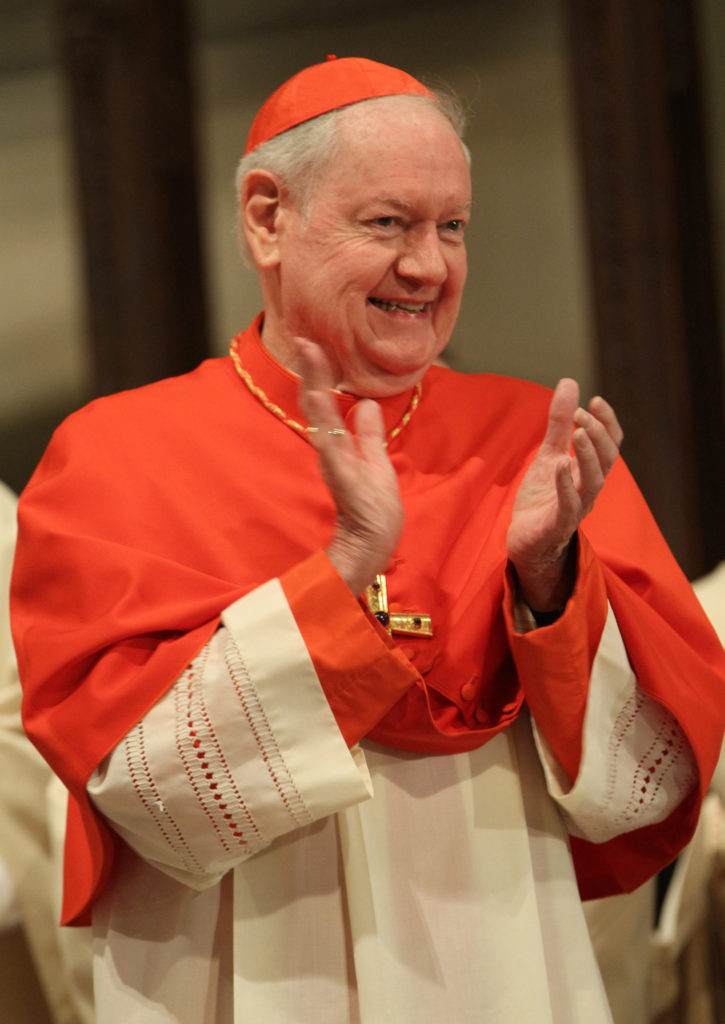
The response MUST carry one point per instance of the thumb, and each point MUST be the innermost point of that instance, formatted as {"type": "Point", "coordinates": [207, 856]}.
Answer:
{"type": "Point", "coordinates": [369, 428]}
{"type": "Point", "coordinates": [564, 403]}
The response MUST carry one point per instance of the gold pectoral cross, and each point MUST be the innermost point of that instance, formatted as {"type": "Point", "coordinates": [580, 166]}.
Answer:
{"type": "Point", "coordinates": [402, 623]}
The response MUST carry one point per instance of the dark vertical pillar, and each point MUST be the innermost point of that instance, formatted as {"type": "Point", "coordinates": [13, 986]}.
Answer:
{"type": "Point", "coordinates": [636, 93]}
{"type": "Point", "coordinates": [127, 66]}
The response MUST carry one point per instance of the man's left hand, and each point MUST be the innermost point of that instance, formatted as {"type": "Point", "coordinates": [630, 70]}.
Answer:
{"type": "Point", "coordinates": [558, 490]}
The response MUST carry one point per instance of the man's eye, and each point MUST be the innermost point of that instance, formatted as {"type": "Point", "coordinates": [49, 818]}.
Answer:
{"type": "Point", "coordinates": [384, 222]}
{"type": "Point", "coordinates": [455, 226]}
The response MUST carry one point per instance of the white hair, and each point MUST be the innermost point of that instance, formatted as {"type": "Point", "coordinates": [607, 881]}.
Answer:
{"type": "Point", "coordinates": [298, 156]}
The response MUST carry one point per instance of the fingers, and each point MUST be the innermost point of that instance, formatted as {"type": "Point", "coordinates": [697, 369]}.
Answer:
{"type": "Point", "coordinates": [564, 403]}
{"type": "Point", "coordinates": [314, 365]}
{"type": "Point", "coordinates": [596, 440]}
{"type": "Point", "coordinates": [594, 435]}
{"type": "Point", "coordinates": [370, 431]}
{"type": "Point", "coordinates": [600, 422]}
{"type": "Point", "coordinates": [603, 430]}
{"type": "Point", "coordinates": [316, 399]}
{"type": "Point", "coordinates": [343, 455]}
{"type": "Point", "coordinates": [356, 468]}
{"type": "Point", "coordinates": [590, 471]}
{"type": "Point", "coordinates": [607, 417]}
{"type": "Point", "coordinates": [568, 497]}
{"type": "Point", "coordinates": [322, 412]}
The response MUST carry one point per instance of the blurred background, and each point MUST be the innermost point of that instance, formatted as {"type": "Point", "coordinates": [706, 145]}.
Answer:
{"type": "Point", "coordinates": [597, 248]}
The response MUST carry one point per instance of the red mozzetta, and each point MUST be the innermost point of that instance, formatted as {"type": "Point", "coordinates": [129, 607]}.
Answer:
{"type": "Point", "coordinates": [155, 509]}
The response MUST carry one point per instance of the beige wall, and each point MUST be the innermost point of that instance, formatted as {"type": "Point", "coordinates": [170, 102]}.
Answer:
{"type": "Point", "coordinates": [41, 335]}
{"type": "Point", "coordinates": [525, 309]}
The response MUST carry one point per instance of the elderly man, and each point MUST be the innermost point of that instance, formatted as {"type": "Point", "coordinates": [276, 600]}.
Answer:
{"type": "Point", "coordinates": [362, 661]}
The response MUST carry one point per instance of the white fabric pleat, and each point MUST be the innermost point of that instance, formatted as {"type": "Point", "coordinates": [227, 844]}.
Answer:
{"type": "Point", "coordinates": [441, 890]}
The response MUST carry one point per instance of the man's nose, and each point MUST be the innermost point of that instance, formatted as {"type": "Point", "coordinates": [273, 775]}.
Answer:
{"type": "Point", "coordinates": [422, 257]}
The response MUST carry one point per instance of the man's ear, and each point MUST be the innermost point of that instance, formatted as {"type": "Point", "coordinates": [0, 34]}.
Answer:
{"type": "Point", "coordinates": [261, 215]}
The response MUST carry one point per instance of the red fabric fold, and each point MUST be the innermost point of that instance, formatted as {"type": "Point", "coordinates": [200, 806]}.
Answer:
{"type": "Point", "coordinates": [155, 509]}
{"type": "Point", "coordinates": [554, 664]}
{"type": "Point", "coordinates": [361, 670]}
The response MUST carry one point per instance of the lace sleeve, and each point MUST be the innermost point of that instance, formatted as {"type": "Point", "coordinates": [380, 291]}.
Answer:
{"type": "Point", "coordinates": [637, 765]}
{"type": "Point", "coordinates": [242, 749]}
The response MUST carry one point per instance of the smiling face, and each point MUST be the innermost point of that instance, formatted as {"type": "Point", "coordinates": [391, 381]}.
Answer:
{"type": "Point", "coordinates": [374, 268]}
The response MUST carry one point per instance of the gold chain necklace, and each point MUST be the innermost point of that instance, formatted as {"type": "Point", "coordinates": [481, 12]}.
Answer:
{"type": "Point", "coordinates": [299, 427]}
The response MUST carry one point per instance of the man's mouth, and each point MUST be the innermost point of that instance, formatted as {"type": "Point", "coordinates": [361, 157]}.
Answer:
{"type": "Point", "coordinates": [399, 307]}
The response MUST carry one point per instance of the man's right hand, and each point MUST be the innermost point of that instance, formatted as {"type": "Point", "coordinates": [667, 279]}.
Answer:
{"type": "Point", "coordinates": [357, 471]}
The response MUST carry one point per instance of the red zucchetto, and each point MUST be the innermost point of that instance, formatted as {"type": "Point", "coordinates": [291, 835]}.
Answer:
{"type": "Point", "coordinates": [323, 87]}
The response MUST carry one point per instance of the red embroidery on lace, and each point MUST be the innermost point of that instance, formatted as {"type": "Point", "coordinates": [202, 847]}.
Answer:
{"type": "Point", "coordinates": [207, 769]}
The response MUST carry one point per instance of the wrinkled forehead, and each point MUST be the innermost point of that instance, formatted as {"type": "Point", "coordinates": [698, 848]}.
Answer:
{"type": "Point", "coordinates": [393, 153]}
{"type": "Point", "coordinates": [368, 117]}
{"type": "Point", "coordinates": [411, 130]}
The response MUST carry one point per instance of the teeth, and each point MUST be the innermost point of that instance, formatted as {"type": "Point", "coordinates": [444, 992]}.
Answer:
{"type": "Point", "coordinates": [405, 307]}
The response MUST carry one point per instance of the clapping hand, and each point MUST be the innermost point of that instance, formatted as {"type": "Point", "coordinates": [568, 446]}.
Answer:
{"type": "Point", "coordinates": [557, 492]}
{"type": "Point", "coordinates": [357, 471]}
